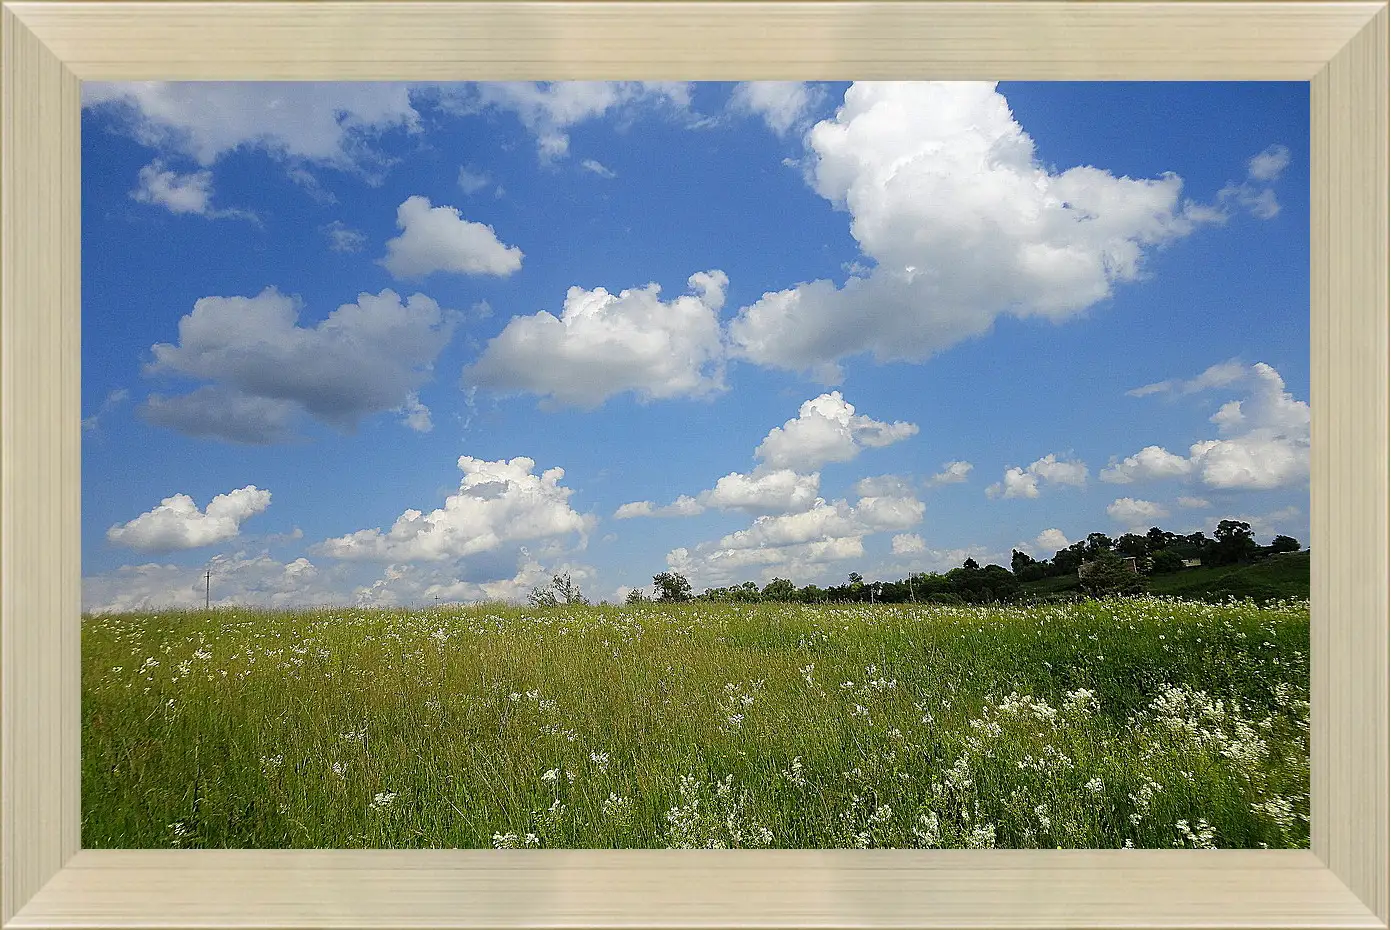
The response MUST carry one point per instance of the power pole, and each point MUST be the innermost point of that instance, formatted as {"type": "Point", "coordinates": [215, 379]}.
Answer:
{"type": "Point", "coordinates": [207, 589]}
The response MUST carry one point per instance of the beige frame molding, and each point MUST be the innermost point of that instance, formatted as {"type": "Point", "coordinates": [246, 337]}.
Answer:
{"type": "Point", "coordinates": [46, 880]}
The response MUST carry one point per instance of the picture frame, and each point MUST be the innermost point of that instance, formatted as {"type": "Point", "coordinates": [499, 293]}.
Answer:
{"type": "Point", "coordinates": [48, 881]}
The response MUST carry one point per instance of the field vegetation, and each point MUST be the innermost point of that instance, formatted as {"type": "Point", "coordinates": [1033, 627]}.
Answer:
{"type": "Point", "coordinates": [1123, 721]}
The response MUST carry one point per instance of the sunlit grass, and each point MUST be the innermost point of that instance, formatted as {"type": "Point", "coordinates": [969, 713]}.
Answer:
{"type": "Point", "coordinates": [1145, 721]}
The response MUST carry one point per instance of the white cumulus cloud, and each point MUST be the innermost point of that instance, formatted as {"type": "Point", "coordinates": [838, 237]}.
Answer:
{"type": "Point", "coordinates": [803, 542]}
{"type": "Point", "coordinates": [606, 344]}
{"type": "Point", "coordinates": [498, 502]}
{"type": "Point", "coordinates": [827, 429]}
{"type": "Point", "coordinates": [1050, 541]}
{"type": "Point", "coordinates": [364, 358]}
{"type": "Point", "coordinates": [1023, 481]}
{"type": "Point", "coordinates": [961, 223]}
{"type": "Point", "coordinates": [1133, 513]}
{"type": "Point", "coordinates": [439, 239]}
{"type": "Point", "coordinates": [1264, 440]}
{"type": "Point", "coordinates": [908, 544]}
{"type": "Point", "coordinates": [177, 523]}
{"type": "Point", "coordinates": [1150, 462]}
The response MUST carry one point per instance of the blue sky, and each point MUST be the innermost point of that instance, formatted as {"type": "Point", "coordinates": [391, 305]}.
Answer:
{"type": "Point", "coordinates": [375, 344]}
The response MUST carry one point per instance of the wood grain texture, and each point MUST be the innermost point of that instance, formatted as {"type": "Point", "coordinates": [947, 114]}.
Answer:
{"type": "Point", "coordinates": [707, 40]}
{"type": "Point", "coordinates": [46, 47]}
{"type": "Point", "coordinates": [1351, 209]}
{"type": "Point", "coordinates": [695, 888]}
{"type": "Point", "coordinates": [39, 461]}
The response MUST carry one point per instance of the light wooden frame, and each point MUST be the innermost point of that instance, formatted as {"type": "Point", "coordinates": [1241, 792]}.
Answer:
{"type": "Point", "coordinates": [48, 47]}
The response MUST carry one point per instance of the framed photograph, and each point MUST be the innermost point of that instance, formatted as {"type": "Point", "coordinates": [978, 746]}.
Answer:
{"type": "Point", "coordinates": [1025, 237]}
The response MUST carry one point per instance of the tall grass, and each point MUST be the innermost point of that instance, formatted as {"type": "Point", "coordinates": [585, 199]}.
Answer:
{"type": "Point", "coordinates": [1145, 721]}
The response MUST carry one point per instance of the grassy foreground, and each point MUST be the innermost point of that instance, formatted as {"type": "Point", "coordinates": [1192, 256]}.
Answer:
{"type": "Point", "coordinates": [1145, 721]}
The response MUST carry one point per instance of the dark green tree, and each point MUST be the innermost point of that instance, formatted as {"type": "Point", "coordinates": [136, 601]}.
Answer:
{"type": "Point", "coordinates": [780, 589]}
{"type": "Point", "coordinates": [1131, 544]}
{"type": "Point", "coordinates": [672, 586]}
{"type": "Point", "coordinates": [1097, 543]}
{"type": "Point", "coordinates": [1284, 544]}
{"type": "Point", "coordinates": [1165, 561]}
{"type": "Point", "coordinates": [1109, 574]}
{"type": "Point", "coordinates": [1233, 542]}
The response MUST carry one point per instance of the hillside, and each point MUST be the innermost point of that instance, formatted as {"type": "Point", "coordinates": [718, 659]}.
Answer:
{"type": "Point", "coordinates": [1281, 576]}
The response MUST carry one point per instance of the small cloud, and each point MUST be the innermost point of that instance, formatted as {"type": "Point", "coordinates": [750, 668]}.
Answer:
{"type": "Point", "coordinates": [783, 105]}
{"type": "Point", "coordinates": [952, 473]}
{"type": "Point", "coordinates": [182, 193]}
{"type": "Point", "coordinates": [604, 344]}
{"type": "Point", "coordinates": [1219, 375]}
{"type": "Point", "coordinates": [472, 181]}
{"type": "Point", "coordinates": [1194, 503]}
{"type": "Point", "coordinates": [342, 238]}
{"type": "Point", "coordinates": [1133, 513]}
{"type": "Point", "coordinates": [439, 239]}
{"type": "Point", "coordinates": [827, 429]}
{"type": "Point", "coordinates": [683, 506]}
{"type": "Point", "coordinates": [1253, 195]}
{"type": "Point", "coordinates": [1024, 482]}
{"type": "Point", "coordinates": [1268, 165]}
{"type": "Point", "coordinates": [280, 539]}
{"type": "Point", "coordinates": [1051, 540]}
{"type": "Point", "coordinates": [415, 415]}
{"type": "Point", "coordinates": [116, 397]}
{"type": "Point", "coordinates": [595, 167]}
{"type": "Point", "coordinates": [1149, 463]}
{"type": "Point", "coordinates": [908, 544]}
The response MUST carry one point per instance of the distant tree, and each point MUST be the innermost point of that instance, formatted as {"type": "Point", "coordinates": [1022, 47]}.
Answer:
{"type": "Point", "coordinates": [780, 589]}
{"type": "Point", "coordinates": [1284, 544]}
{"type": "Point", "coordinates": [636, 596]}
{"type": "Point", "coordinates": [1165, 561]}
{"type": "Point", "coordinates": [566, 591]}
{"type": "Point", "coordinates": [1097, 543]}
{"type": "Point", "coordinates": [1233, 542]}
{"type": "Point", "coordinates": [562, 590]}
{"type": "Point", "coordinates": [672, 586]}
{"type": "Point", "coordinates": [970, 564]}
{"type": "Point", "coordinates": [1019, 560]}
{"type": "Point", "coordinates": [1109, 574]}
{"type": "Point", "coordinates": [1066, 561]}
{"type": "Point", "coordinates": [1132, 544]}
{"type": "Point", "coordinates": [1157, 539]}
{"type": "Point", "coordinates": [811, 594]}
{"type": "Point", "coordinates": [542, 597]}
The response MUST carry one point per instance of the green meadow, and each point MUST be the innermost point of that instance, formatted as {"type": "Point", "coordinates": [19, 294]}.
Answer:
{"type": "Point", "coordinates": [1143, 721]}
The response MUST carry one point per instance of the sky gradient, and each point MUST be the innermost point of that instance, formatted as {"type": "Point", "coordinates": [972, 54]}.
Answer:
{"type": "Point", "coordinates": [377, 344]}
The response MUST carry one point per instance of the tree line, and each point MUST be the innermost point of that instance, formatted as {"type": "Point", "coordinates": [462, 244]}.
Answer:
{"type": "Point", "coordinates": [1104, 566]}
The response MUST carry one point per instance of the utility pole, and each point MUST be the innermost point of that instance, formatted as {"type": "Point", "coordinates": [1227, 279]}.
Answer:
{"type": "Point", "coordinates": [207, 588]}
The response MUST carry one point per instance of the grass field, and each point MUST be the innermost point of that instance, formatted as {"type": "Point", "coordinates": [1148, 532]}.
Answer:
{"type": "Point", "coordinates": [1145, 721]}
